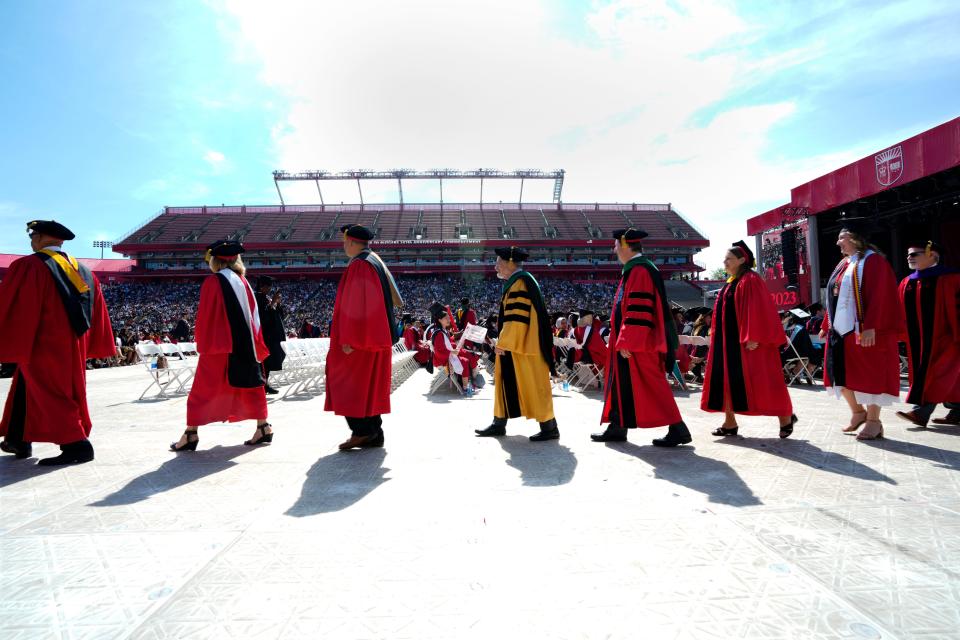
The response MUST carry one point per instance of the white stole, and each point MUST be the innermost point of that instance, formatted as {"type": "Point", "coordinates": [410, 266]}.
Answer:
{"type": "Point", "coordinates": [845, 319]}
{"type": "Point", "coordinates": [248, 304]}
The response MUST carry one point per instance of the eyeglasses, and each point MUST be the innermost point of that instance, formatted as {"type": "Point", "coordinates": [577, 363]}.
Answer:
{"type": "Point", "coordinates": [914, 254]}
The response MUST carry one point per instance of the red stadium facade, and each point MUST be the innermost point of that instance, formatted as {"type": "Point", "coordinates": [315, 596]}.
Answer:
{"type": "Point", "coordinates": [570, 240]}
{"type": "Point", "coordinates": [910, 189]}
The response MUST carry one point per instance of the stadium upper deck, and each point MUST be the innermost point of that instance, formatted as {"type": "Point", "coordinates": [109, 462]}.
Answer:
{"type": "Point", "coordinates": [417, 238]}
{"type": "Point", "coordinates": [177, 226]}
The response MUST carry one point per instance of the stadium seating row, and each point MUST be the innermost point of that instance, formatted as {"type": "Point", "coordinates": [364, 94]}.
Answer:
{"type": "Point", "coordinates": [428, 222]}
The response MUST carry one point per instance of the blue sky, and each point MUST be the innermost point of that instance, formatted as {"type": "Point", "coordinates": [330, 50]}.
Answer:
{"type": "Point", "coordinates": [112, 110]}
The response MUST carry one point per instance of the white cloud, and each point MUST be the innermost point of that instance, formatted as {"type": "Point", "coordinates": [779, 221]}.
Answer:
{"type": "Point", "coordinates": [214, 158]}
{"type": "Point", "coordinates": [495, 84]}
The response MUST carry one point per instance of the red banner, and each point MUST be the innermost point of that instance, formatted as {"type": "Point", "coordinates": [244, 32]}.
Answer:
{"type": "Point", "coordinates": [922, 155]}
{"type": "Point", "coordinates": [783, 264]}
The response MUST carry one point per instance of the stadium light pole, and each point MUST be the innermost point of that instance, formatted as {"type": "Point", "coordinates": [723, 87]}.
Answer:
{"type": "Point", "coordinates": [102, 244]}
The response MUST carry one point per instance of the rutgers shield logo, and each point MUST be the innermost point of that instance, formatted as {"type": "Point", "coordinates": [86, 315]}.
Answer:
{"type": "Point", "coordinates": [889, 165]}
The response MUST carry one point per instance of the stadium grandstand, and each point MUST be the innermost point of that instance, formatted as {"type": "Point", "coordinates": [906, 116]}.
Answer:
{"type": "Point", "coordinates": [571, 240]}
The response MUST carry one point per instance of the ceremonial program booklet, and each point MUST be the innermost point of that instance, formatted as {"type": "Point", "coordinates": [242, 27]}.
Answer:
{"type": "Point", "coordinates": [473, 333]}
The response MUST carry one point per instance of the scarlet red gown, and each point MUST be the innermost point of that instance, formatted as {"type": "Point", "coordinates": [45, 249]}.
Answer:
{"type": "Point", "coordinates": [746, 382]}
{"type": "Point", "coordinates": [212, 398]}
{"type": "Point", "coordinates": [595, 347]}
{"type": "Point", "coordinates": [931, 300]}
{"type": "Point", "coordinates": [36, 334]}
{"type": "Point", "coordinates": [875, 370]}
{"type": "Point", "coordinates": [636, 392]}
{"type": "Point", "coordinates": [441, 354]}
{"type": "Point", "coordinates": [358, 383]}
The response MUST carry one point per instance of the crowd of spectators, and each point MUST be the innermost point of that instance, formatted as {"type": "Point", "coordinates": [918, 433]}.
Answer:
{"type": "Point", "coordinates": [151, 311]}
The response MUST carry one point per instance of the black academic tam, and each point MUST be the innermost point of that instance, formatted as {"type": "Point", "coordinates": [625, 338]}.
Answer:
{"type": "Point", "coordinates": [50, 228]}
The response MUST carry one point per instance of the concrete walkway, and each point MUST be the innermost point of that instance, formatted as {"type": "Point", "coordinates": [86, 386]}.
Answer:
{"type": "Point", "coordinates": [443, 535]}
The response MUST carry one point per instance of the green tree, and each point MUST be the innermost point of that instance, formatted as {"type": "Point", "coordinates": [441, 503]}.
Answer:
{"type": "Point", "coordinates": [718, 274]}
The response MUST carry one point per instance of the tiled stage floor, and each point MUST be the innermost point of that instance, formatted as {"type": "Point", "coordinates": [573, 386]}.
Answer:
{"type": "Point", "coordinates": [442, 535]}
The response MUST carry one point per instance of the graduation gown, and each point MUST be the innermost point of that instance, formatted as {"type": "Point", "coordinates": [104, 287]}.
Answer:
{"type": "Point", "coordinates": [40, 331]}
{"type": "Point", "coordinates": [636, 391]}
{"type": "Point", "coordinates": [464, 318]}
{"type": "Point", "coordinates": [228, 384]}
{"type": "Point", "coordinates": [274, 333]}
{"type": "Point", "coordinates": [747, 382]}
{"type": "Point", "coordinates": [358, 384]}
{"type": "Point", "coordinates": [931, 302]}
{"type": "Point", "coordinates": [443, 350]}
{"type": "Point", "coordinates": [522, 375]}
{"type": "Point", "coordinates": [872, 370]}
{"type": "Point", "coordinates": [595, 349]}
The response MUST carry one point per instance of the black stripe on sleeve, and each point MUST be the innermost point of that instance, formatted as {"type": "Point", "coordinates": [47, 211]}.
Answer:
{"type": "Point", "coordinates": [640, 308]}
{"type": "Point", "coordinates": [520, 306]}
{"type": "Point", "coordinates": [512, 317]}
{"type": "Point", "coordinates": [638, 322]}
{"type": "Point", "coordinates": [518, 294]}
{"type": "Point", "coordinates": [640, 294]}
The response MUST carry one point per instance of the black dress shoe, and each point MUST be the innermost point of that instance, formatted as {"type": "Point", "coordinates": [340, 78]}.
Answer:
{"type": "Point", "coordinates": [677, 434]}
{"type": "Point", "coordinates": [73, 453]}
{"type": "Point", "coordinates": [20, 450]}
{"type": "Point", "coordinates": [374, 441]}
{"type": "Point", "coordinates": [270, 389]}
{"type": "Point", "coordinates": [492, 431]}
{"type": "Point", "coordinates": [548, 431]}
{"type": "Point", "coordinates": [612, 434]}
{"type": "Point", "coordinates": [910, 416]}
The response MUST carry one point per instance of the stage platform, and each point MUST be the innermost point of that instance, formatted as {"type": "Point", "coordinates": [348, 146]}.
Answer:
{"type": "Point", "coordinates": [442, 535]}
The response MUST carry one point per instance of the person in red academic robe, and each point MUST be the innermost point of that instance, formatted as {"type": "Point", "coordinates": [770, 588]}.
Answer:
{"type": "Point", "coordinates": [52, 318]}
{"type": "Point", "coordinates": [744, 374]}
{"type": "Point", "coordinates": [931, 301]}
{"type": "Point", "coordinates": [361, 339]}
{"type": "Point", "coordinates": [862, 327]}
{"type": "Point", "coordinates": [465, 315]}
{"type": "Point", "coordinates": [642, 343]}
{"type": "Point", "coordinates": [229, 383]}
{"type": "Point", "coordinates": [593, 350]}
{"type": "Point", "coordinates": [413, 341]}
{"type": "Point", "coordinates": [445, 355]}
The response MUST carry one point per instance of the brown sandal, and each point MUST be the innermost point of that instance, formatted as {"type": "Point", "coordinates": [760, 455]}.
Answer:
{"type": "Point", "coordinates": [856, 421]}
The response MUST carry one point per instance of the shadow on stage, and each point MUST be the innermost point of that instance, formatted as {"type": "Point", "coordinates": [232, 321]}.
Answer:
{"type": "Point", "coordinates": [714, 478]}
{"type": "Point", "coordinates": [945, 458]}
{"type": "Point", "coordinates": [13, 471]}
{"type": "Point", "coordinates": [339, 480]}
{"type": "Point", "coordinates": [541, 464]}
{"type": "Point", "coordinates": [176, 472]}
{"type": "Point", "coordinates": [811, 455]}
{"type": "Point", "coordinates": [940, 429]}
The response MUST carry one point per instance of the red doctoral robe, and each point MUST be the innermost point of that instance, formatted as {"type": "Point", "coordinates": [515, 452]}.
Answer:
{"type": "Point", "coordinates": [595, 346]}
{"type": "Point", "coordinates": [636, 391]}
{"type": "Point", "coordinates": [36, 334]}
{"type": "Point", "coordinates": [747, 382]}
{"type": "Point", "coordinates": [358, 383]}
{"type": "Point", "coordinates": [212, 398]}
{"type": "Point", "coordinates": [412, 340]}
{"type": "Point", "coordinates": [873, 370]}
{"type": "Point", "coordinates": [931, 300]}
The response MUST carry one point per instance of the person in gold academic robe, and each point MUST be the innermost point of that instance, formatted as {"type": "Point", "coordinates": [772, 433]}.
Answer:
{"type": "Point", "coordinates": [524, 351]}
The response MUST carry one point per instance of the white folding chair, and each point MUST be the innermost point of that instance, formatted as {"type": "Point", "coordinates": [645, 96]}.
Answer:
{"type": "Point", "coordinates": [177, 363]}
{"type": "Point", "coordinates": [794, 361]}
{"type": "Point", "coordinates": [160, 378]}
{"type": "Point", "coordinates": [585, 374]}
